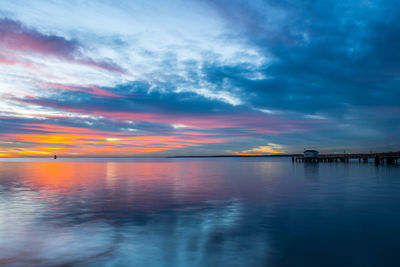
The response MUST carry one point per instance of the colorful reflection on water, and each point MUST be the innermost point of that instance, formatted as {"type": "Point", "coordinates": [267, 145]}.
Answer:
{"type": "Point", "coordinates": [197, 212]}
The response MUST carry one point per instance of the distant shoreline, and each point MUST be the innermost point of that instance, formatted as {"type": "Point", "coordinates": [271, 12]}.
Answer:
{"type": "Point", "coordinates": [199, 156]}
{"type": "Point", "coordinates": [240, 156]}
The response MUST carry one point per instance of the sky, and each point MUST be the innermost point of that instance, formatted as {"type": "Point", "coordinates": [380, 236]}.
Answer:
{"type": "Point", "coordinates": [201, 77]}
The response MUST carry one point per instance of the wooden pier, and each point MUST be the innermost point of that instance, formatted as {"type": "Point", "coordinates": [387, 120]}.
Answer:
{"type": "Point", "coordinates": [377, 158]}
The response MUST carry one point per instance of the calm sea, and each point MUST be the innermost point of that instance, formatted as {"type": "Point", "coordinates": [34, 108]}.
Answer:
{"type": "Point", "coordinates": [198, 212]}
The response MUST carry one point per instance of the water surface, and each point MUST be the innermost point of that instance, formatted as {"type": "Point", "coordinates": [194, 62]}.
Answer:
{"type": "Point", "coordinates": [198, 212]}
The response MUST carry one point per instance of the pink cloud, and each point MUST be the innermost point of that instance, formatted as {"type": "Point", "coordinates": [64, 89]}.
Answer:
{"type": "Point", "coordinates": [91, 89]}
{"type": "Point", "coordinates": [17, 39]}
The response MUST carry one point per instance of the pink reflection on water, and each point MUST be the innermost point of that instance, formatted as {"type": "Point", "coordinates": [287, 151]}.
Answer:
{"type": "Point", "coordinates": [79, 212]}
{"type": "Point", "coordinates": [118, 183]}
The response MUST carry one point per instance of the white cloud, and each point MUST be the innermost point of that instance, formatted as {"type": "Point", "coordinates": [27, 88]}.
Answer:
{"type": "Point", "coordinates": [113, 139]}
{"type": "Point", "coordinates": [179, 126]}
{"type": "Point", "coordinates": [315, 117]}
{"type": "Point", "coordinates": [268, 111]}
{"type": "Point", "coordinates": [151, 40]}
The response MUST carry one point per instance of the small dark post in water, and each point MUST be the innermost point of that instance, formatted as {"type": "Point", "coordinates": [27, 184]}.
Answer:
{"type": "Point", "coordinates": [55, 156]}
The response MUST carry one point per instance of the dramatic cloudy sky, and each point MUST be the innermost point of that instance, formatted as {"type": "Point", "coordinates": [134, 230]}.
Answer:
{"type": "Point", "coordinates": [198, 77]}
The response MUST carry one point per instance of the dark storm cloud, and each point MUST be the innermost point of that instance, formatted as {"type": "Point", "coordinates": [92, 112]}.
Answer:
{"type": "Point", "coordinates": [326, 55]}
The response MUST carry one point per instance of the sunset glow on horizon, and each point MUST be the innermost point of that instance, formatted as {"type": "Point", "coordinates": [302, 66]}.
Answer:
{"type": "Point", "coordinates": [132, 78]}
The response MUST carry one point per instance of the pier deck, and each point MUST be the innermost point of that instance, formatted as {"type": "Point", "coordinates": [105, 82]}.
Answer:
{"type": "Point", "coordinates": [377, 158]}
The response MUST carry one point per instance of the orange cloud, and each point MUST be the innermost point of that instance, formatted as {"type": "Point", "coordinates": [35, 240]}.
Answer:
{"type": "Point", "coordinates": [77, 141]}
{"type": "Point", "coordinates": [271, 148]}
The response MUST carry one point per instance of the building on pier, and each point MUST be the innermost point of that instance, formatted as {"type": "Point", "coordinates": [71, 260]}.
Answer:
{"type": "Point", "coordinates": [311, 154]}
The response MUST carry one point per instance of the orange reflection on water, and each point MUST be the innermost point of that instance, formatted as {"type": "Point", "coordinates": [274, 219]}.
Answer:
{"type": "Point", "coordinates": [126, 180]}
{"type": "Point", "coordinates": [63, 174]}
